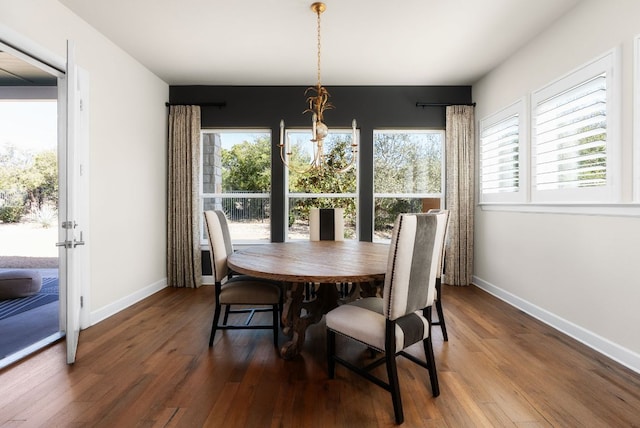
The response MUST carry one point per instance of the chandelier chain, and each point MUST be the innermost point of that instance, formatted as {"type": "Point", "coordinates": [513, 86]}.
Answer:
{"type": "Point", "coordinates": [319, 46]}
{"type": "Point", "coordinates": [318, 102]}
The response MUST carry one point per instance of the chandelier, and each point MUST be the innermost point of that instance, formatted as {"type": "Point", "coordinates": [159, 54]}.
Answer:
{"type": "Point", "coordinates": [318, 102]}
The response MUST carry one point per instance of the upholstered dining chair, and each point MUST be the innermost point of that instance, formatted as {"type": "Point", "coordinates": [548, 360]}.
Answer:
{"type": "Point", "coordinates": [391, 323]}
{"type": "Point", "coordinates": [254, 294]}
{"type": "Point", "coordinates": [438, 301]}
{"type": "Point", "coordinates": [326, 224]}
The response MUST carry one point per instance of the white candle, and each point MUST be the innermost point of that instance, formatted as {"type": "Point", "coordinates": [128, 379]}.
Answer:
{"type": "Point", "coordinates": [281, 132]}
{"type": "Point", "coordinates": [313, 127]}
{"type": "Point", "coordinates": [353, 134]}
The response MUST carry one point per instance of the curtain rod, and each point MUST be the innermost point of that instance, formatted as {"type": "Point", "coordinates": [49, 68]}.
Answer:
{"type": "Point", "coordinates": [423, 105]}
{"type": "Point", "coordinates": [216, 104]}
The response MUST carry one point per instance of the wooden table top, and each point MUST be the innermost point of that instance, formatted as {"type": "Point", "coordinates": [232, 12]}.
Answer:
{"type": "Point", "coordinates": [318, 261]}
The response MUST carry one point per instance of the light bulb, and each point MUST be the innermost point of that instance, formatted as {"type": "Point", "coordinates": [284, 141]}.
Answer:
{"type": "Point", "coordinates": [321, 130]}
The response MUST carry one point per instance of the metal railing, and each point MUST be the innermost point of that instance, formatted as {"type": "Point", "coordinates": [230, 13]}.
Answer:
{"type": "Point", "coordinates": [240, 208]}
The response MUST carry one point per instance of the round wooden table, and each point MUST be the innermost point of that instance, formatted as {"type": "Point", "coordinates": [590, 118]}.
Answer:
{"type": "Point", "coordinates": [323, 262]}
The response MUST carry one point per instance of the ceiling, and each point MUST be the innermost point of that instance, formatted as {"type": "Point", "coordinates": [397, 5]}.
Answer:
{"type": "Point", "coordinates": [273, 42]}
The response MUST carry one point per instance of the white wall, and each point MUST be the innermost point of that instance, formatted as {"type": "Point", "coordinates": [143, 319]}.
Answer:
{"type": "Point", "coordinates": [128, 126]}
{"type": "Point", "coordinates": [580, 273]}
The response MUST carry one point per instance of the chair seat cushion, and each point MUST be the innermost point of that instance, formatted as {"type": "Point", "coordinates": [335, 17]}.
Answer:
{"type": "Point", "coordinates": [19, 283]}
{"type": "Point", "coordinates": [247, 290]}
{"type": "Point", "coordinates": [363, 320]}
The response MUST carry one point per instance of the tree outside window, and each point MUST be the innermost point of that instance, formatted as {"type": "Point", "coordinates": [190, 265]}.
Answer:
{"type": "Point", "coordinates": [321, 188]}
{"type": "Point", "coordinates": [408, 169]}
{"type": "Point", "coordinates": [236, 178]}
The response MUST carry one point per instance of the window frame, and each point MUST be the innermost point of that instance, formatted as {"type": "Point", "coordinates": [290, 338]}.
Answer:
{"type": "Point", "coordinates": [441, 195]}
{"type": "Point", "coordinates": [608, 63]}
{"type": "Point", "coordinates": [288, 195]}
{"type": "Point", "coordinates": [518, 108]}
{"type": "Point", "coordinates": [204, 242]}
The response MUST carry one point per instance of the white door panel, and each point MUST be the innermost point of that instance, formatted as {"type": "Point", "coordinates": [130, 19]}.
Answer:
{"type": "Point", "coordinates": [74, 200]}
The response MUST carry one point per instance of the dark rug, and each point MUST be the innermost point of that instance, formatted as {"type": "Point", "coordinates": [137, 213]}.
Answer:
{"type": "Point", "coordinates": [48, 294]}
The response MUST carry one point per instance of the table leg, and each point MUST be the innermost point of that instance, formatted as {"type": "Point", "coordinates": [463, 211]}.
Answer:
{"type": "Point", "coordinates": [371, 288]}
{"type": "Point", "coordinates": [292, 305]}
{"type": "Point", "coordinates": [296, 323]}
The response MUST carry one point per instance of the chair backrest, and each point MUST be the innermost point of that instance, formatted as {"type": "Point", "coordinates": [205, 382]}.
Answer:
{"type": "Point", "coordinates": [326, 224]}
{"type": "Point", "coordinates": [219, 242]}
{"type": "Point", "coordinates": [444, 239]}
{"type": "Point", "coordinates": [410, 280]}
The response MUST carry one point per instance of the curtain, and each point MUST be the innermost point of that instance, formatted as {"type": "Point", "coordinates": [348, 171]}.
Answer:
{"type": "Point", "coordinates": [460, 166]}
{"type": "Point", "coordinates": [183, 204]}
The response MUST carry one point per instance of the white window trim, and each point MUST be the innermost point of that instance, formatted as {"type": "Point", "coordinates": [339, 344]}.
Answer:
{"type": "Point", "coordinates": [204, 243]}
{"type": "Point", "coordinates": [443, 168]}
{"type": "Point", "coordinates": [522, 195]}
{"type": "Point", "coordinates": [610, 63]}
{"type": "Point", "coordinates": [299, 195]}
{"type": "Point", "coordinates": [612, 210]}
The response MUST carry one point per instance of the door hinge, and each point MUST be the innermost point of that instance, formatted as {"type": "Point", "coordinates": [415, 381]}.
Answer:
{"type": "Point", "coordinates": [82, 301]}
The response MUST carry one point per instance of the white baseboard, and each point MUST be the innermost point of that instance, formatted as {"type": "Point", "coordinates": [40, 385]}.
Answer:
{"type": "Point", "coordinates": [115, 307]}
{"type": "Point", "coordinates": [598, 343]}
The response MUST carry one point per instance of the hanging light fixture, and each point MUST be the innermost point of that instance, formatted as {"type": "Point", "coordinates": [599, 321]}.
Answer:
{"type": "Point", "coordinates": [318, 102]}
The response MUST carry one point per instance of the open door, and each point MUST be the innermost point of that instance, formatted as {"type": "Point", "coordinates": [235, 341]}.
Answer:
{"type": "Point", "coordinates": [74, 200]}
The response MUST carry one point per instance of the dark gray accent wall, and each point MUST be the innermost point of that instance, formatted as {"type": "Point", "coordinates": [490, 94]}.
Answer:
{"type": "Point", "coordinates": [373, 107]}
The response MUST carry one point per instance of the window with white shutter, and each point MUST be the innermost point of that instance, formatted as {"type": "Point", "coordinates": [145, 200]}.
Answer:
{"type": "Point", "coordinates": [503, 176]}
{"type": "Point", "coordinates": [575, 138]}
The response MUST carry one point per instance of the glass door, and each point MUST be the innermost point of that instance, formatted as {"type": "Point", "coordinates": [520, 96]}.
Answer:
{"type": "Point", "coordinates": [30, 304]}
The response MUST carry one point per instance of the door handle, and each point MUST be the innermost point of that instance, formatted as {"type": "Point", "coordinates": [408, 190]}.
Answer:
{"type": "Point", "coordinates": [80, 242]}
{"type": "Point", "coordinates": [71, 244]}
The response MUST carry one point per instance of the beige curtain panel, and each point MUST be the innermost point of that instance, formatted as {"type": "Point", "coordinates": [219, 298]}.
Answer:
{"type": "Point", "coordinates": [460, 166]}
{"type": "Point", "coordinates": [183, 205]}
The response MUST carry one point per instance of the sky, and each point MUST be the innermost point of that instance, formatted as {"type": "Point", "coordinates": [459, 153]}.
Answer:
{"type": "Point", "coordinates": [31, 125]}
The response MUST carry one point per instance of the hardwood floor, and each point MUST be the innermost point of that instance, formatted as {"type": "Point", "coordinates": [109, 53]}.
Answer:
{"type": "Point", "coordinates": [150, 366]}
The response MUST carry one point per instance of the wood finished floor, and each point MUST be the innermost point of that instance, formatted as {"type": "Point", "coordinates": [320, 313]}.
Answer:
{"type": "Point", "coordinates": [150, 366]}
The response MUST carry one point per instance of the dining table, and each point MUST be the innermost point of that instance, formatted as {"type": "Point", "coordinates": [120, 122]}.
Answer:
{"type": "Point", "coordinates": [322, 263]}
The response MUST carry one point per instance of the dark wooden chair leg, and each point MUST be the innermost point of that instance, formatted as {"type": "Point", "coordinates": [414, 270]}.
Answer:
{"type": "Point", "coordinates": [276, 324]}
{"type": "Point", "coordinates": [431, 365]}
{"type": "Point", "coordinates": [441, 323]}
{"type": "Point", "coordinates": [394, 387]}
{"type": "Point", "coordinates": [440, 312]}
{"type": "Point", "coordinates": [214, 324]}
{"type": "Point", "coordinates": [225, 319]}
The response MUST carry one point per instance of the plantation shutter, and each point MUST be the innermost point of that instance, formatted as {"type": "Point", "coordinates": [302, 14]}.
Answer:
{"type": "Point", "coordinates": [499, 156]}
{"type": "Point", "coordinates": [571, 137]}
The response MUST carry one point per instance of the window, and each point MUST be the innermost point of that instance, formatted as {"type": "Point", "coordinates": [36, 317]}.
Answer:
{"type": "Point", "coordinates": [575, 141]}
{"type": "Point", "coordinates": [408, 167]}
{"type": "Point", "coordinates": [502, 145]}
{"type": "Point", "coordinates": [236, 178]}
{"type": "Point", "coordinates": [320, 188]}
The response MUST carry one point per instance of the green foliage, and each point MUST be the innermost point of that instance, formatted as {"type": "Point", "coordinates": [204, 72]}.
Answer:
{"type": "Point", "coordinates": [325, 180]}
{"type": "Point", "coordinates": [387, 210]}
{"type": "Point", "coordinates": [246, 167]}
{"type": "Point", "coordinates": [40, 180]}
{"type": "Point", "coordinates": [33, 175]}
{"type": "Point", "coordinates": [593, 170]}
{"type": "Point", "coordinates": [404, 164]}
{"type": "Point", "coordinates": [11, 213]}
